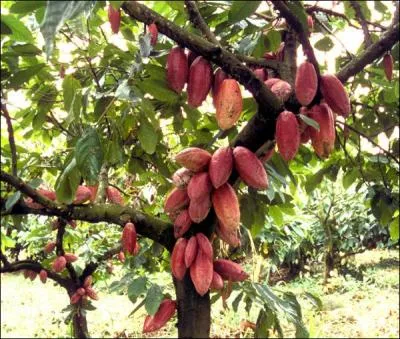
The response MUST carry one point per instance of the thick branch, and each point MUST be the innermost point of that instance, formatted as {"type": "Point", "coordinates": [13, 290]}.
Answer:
{"type": "Point", "coordinates": [11, 139]}
{"type": "Point", "coordinates": [363, 23]}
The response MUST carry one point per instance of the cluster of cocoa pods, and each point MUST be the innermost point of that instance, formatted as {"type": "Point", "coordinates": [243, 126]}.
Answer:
{"type": "Point", "coordinates": [129, 241]}
{"type": "Point", "coordinates": [61, 261]}
{"type": "Point", "coordinates": [85, 291]}
{"type": "Point", "coordinates": [32, 275]}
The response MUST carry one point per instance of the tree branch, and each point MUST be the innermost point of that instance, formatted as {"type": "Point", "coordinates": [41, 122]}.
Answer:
{"type": "Point", "coordinates": [363, 23]}
{"type": "Point", "coordinates": [11, 139]}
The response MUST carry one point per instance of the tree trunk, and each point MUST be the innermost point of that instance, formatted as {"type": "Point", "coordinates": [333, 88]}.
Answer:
{"type": "Point", "coordinates": [194, 311]}
{"type": "Point", "coordinates": [79, 324]}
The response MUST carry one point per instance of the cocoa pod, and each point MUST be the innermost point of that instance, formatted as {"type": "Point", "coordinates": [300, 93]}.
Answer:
{"type": "Point", "coordinates": [228, 104]}
{"type": "Point", "coordinates": [199, 209]}
{"type": "Point", "coordinates": [194, 159]}
{"type": "Point", "coordinates": [191, 57]}
{"type": "Point", "coordinates": [121, 256]}
{"type": "Point", "coordinates": [90, 292]}
{"type": "Point", "coordinates": [72, 223]}
{"type": "Point", "coordinates": [81, 291]}
{"type": "Point", "coordinates": [226, 206]}
{"type": "Point", "coordinates": [229, 270]}
{"type": "Point", "coordinates": [191, 251]}
{"type": "Point", "coordinates": [335, 95]}
{"type": "Point", "coordinates": [182, 224]}
{"type": "Point", "coordinates": [70, 257]}
{"type": "Point", "coordinates": [182, 177]}
{"type": "Point", "coordinates": [88, 281]}
{"type": "Point", "coordinates": [114, 196]}
{"type": "Point", "coordinates": [229, 235]}
{"type": "Point", "coordinates": [306, 83]}
{"type": "Point", "coordinates": [153, 30]}
{"type": "Point", "coordinates": [305, 135]}
{"type": "Point", "coordinates": [201, 272]}
{"type": "Point", "coordinates": [220, 167]}
{"type": "Point", "coordinates": [310, 23]}
{"type": "Point", "coordinates": [129, 238]}
{"type": "Point", "coordinates": [287, 135]}
{"type": "Point", "coordinates": [58, 264]}
{"type": "Point", "coordinates": [280, 53]}
{"type": "Point", "coordinates": [204, 245]}
{"type": "Point", "coordinates": [32, 275]}
{"type": "Point", "coordinates": [82, 195]}
{"type": "Point", "coordinates": [270, 82]}
{"type": "Point", "coordinates": [178, 267]}
{"type": "Point", "coordinates": [323, 141]}
{"type": "Point", "coordinates": [219, 77]}
{"type": "Point", "coordinates": [93, 192]}
{"type": "Point", "coordinates": [267, 155]}
{"type": "Point", "coordinates": [216, 283]}
{"type": "Point", "coordinates": [75, 298]}
{"type": "Point", "coordinates": [200, 80]}
{"type": "Point", "coordinates": [199, 186]}
{"type": "Point", "coordinates": [43, 276]}
{"type": "Point", "coordinates": [282, 90]}
{"type": "Point", "coordinates": [114, 17]}
{"type": "Point", "coordinates": [50, 246]}
{"type": "Point", "coordinates": [51, 195]}
{"type": "Point", "coordinates": [177, 69]}
{"type": "Point", "coordinates": [260, 74]}
{"type": "Point", "coordinates": [137, 248]}
{"type": "Point", "coordinates": [388, 66]}
{"type": "Point", "coordinates": [164, 313]}
{"type": "Point", "coordinates": [175, 200]}
{"type": "Point", "coordinates": [250, 169]}
{"type": "Point", "coordinates": [303, 127]}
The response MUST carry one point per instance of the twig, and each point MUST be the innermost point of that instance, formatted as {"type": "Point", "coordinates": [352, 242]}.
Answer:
{"type": "Point", "coordinates": [11, 139]}
{"type": "Point", "coordinates": [56, 122]}
{"type": "Point", "coordinates": [363, 23]}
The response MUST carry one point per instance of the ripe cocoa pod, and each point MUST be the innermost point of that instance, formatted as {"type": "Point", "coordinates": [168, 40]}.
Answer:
{"type": "Point", "coordinates": [164, 313]}
{"type": "Point", "coordinates": [153, 30]}
{"type": "Point", "coordinates": [70, 257]}
{"type": "Point", "coordinates": [182, 177]}
{"type": "Point", "coordinates": [137, 249]}
{"type": "Point", "coordinates": [114, 196]}
{"type": "Point", "coordinates": [129, 238]}
{"type": "Point", "coordinates": [388, 66]}
{"type": "Point", "coordinates": [280, 53]}
{"type": "Point", "coordinates": [229, 270]}
{"type": "Point", "coordinates": [177, 69]}
{"type": "Point", "coordinates": [270, 82]}
{"type": "Point", "coordinates": [43, 276]}
{"type": "Point", "coordinates": [88, 281]}
{"type": "Point", "coordinates": [178, 267]}
{"type": "Point", "coordinates": [229, 235]}
{"type": "Point", "coordinates": [199, 209]}
{"type": "Point", "coordinates": [260, 74]}
{"type": "Point", "coordinates": [32, 275]}
{"type": "Point", "coordinates": [219, 77]}
{"type": "Point", "coordinates": [305, 135]}
{"type": "Point", "coordinates": [306, 83]}
{"type": "Point", "coordinates": [335, 95]}
{"type": "Point", "coordinates": [50, 246]}
{"type": "Point", "coordinates": [323, 141]}
{"type": "Point", "coordinates": [93, 192]}
{"type": "Point", "coordinates": [191, 251]}
{"type": "Point", "coordinates": [220, 167]}
{"type": "Point", "coordinates": [175, 200]}
{"type": "Point", "coordinates": [201, 272]}
{"type": "Point", "coordinates": [114, 17]}
{"type": "Point", "coordinates": [228, 104]}
{"type": "Point", "coordinates": [90, 292]}
{"type": "Point", "coordinates": [182, 224]}
{"type": "Point", "coordinates": [58, 264]}
{"type": "Point", "coordinates": [72, 223]}
{"type": "Point", "coordinates": [82, 195]}
{"type": "Point", "coordinates": [121, 256]}
{"type": "Point", "coordinates": [217, 283]}
{"type": "Point", "coordinates": [250, 169]}
{"type": "Point", "coordinates": [310, 23]}
{"type": "Point", "coordinates": [287, 135]}
{"type": "Point", "coordinates": [200, 80]}
{"type": "Point", "coordinates": [226, 206]}
{"type": "Point", "coordinates": [282, 90]}
{"type": "Point", "coordinates": [81, 291]}
{"type": "Point", "coordinates": [199, 186]}
{"type": "Point", "coordinates": [75, 298]}
{"type": "Point", "coordinates": [204, 245]}
{"type": "Point", "coordinates": [51, 195]}
{"type": "Point", "coordinates": [191, 57]}
{"type": "Point", "coordinates": [303, 127]}
{"type": "Point", "coordinates": [193, 158]}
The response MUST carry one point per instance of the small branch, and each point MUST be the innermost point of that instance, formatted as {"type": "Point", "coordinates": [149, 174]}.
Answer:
{"type": "Point", "coordinates": [363, 23]}
{"type": "Point", "coordinates": [103, 183]}
{"type": "Point", "coordinates": [11, 139]}
{"type": "Point", "coordinates": [58, 124]}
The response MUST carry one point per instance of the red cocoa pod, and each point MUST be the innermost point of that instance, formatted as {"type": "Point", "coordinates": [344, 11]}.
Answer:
{"type": "Point", "coordinates": [129, 238]}
{"type": "Point", "coordinates": [81, 291]}
{"type": "Point", "coordinates": [164, 313]}
{"type": "Point", "coordinates": [388, 66]}
{"type": "Point", "coordinates": [287, 135]}
{"type": "Point", "coordinates": [51, 195]}
{"type": "Point", "coordinates": [93, 192]}
{"type": "Point", "coordinates": [204, 245]}
{"type": "Point", "coordinates": [182, 224]}
{"type": "Point", "coordinates": [199, 186]}
{"type": "Point", "coordinates": [75, 298]}
{"type": "Point", "coordinates": [229, 235]}
{"type": "Point", "coordinates": [31, 204]}
{"type": "Point", "coordinates": [229, 270]}
{"type": "Point", "coordinates": [260, 74]}
{"type": "Point", "coordinates": [58, 264]}
{"type": "Point", "coordinates": [220, 167]}
{"type": "Point", "coordinates": [306, 83]}
{"type": "Point", "coordinates": [201, 272]}
{"type": "Point", "coordinates": [219, 77]}
{"type": "Point", "coordinates": [175, 200]}
{"type": "Point", "coordinates": [191, 251]}
{"type": "Point", "coordinates": [305, 135]}
{"type": "Point", "coordinates": [26, 274]}
{"type": "Point", "coordinates": [72, 223]}
{"type": "Point", "coordinates": [43, 276]}
{"type": "Point", "coordinates": [90, 292]}
{"type": "Point", "coordinates": [178, 267]}
{"type": "Point", "coordinates": [114, 196]}
{"type": "Point", "coordinates": [228, 104]}
{"type": "Point", "coordinates": [267, 155]}
{"type": "Point", "coordinates": [182, 177]}
{"type": "Point", "coordinates": [217, 283]}
{"type": "Point", "coordinates": [310, 23]}
{"type": "Point", "coordinates": [50, 246]}
{"type": "Point", "coordinates": [193, 158]}
{"type": "Point", "coordinates": [137, 249]}
{"type": "Point", "coordinates": [199, 209]}
{"type": "Point", "coordinates": [226, 206]}
{"type": "Point", "coordinates": [88, 281]}
{"type": "Point", "coordinates": [32, 275]}
{"type": "Point", "coordinates": [335, 95]}
{"type": "Point", "coordinates": [62, 72]}
{"type": "Point", "coordinates": [191, 57]}
{"type": "Point", "coordinates": [280, 53]}
{"type": "Point", "coordinates": [282, 90]}
{"type": "Point", "coordinates": [250, 168]}
{"type": "Point", "coordinates": [303, 127]}
{"type": "Point", "coordinates": [177, 69]}
{"type": "Point", "coordinates": [153, 30]}
{"type": "Point", "coordinates": [270, 82]}
{"type": "Point", "coordinates": [114, 17]}
{"type": "Point", "coordinates": [70, 257]}
{"type": "Point", "coordinates": [121, 257]}
{"type": "Point", "coordinates": [82, 195]}
{"type": "Point", "coordinates": [200, 80]}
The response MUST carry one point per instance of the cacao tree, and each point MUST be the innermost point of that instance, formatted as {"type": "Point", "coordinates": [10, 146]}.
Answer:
{"type": "Point", "coordinates": [109, 139]}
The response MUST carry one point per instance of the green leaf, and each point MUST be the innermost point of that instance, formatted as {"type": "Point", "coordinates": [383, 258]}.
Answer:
{"type": "Point", "coordinates": [297, 9]}
{"type": "Point", "coordinates": [20, 77]}
{"type": "Point", "coordinates": [309, 121]}
{"type": "Point", "coordinates": [153, 299]}
{"type": "Point", "coordinates": [262, 325]}
{"type": "Point", "coordinates": [116, 4]}
{"type": "Point", "coordinates": [148, 137]}
{"type": "Point", "coordinates": [19, 31]}
{"type": "Point", "coordinates": [325, 44]}
{"type": "Point", "coordinates": [394, 229]}
{"type": "Point", "coordinates": [89, 155]}
{"type": "Point", "coordinates": [72, 97]}
{"type": "Point", "coordinates": [241, 10]}
{"type": "Point", "coordinates": [26, 50]}
{"type": "Point", "coordinates": [68, 182]}
{"type": "Point", "coordinates": [276, 214]}
{"type": "Point", "coordinates": [273, 40]}
{"type": "Point", "coordinates": [158, 90]}
{"type": "Point", "coordinates": [6, 242]}
{"type": "Point", "coordinates": [26, 7]}
{"type": "Point", "coordinates": [137, 287]}
{"type": "Point", "coordinates": [12, 200]}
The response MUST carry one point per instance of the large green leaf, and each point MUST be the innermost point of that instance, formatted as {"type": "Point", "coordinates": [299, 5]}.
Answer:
{"type": "Point", "coordinates": [72, 97]}
{"type": "Point", "coordinates": [242, 9]}
{"type": "Point", "coordinates": [68, 182]}
{"type": "Point", "coordinates": [153, 299]}
{"type": "Point", "coordinates": [20, 77]}
{"type": "Point", "coordinates": [19, 31]}
{"type": "Point", "coordinates": [148, 137]}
